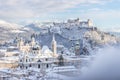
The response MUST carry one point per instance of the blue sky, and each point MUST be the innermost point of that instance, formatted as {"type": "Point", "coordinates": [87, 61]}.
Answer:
{"type": "Point", "coordinates": [104, 13]}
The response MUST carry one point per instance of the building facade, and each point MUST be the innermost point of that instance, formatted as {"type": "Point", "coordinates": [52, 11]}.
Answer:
{"type": "Point", "coordinates": [33, 56]}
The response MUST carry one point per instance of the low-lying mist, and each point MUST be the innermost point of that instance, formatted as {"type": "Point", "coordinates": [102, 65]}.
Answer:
{"type": "Point", "coordinates": [105, 66]}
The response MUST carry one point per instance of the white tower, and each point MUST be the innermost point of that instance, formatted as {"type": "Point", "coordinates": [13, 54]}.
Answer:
{"type": "Point", "coordinates": [54, 46]}
{"type": "Point", "coordinates": [33, 42]}
{"type": "Point", "coordinates": [20, 44]}
{"type": "Point", "coordinates": [90, 24]}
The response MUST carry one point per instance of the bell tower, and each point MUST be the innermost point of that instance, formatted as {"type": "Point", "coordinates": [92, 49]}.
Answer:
{"type": "Point", "coordinates": [20, 44]}
{"type": "Point", "coordinates": [33, 41]}
{"type": "Point", "coordinates": [54, 45]}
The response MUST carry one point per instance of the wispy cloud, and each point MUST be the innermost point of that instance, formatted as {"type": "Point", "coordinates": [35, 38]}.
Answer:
{"type": "Point", "coordinates": [36, 8]}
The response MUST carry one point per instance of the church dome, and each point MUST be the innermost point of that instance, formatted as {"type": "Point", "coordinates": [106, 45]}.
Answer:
{"type": "Point", "coordinates": [46, 50]}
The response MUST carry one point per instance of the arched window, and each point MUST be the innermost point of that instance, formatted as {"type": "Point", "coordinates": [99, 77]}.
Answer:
{"type": "Point", "coordinates": [38, 65]}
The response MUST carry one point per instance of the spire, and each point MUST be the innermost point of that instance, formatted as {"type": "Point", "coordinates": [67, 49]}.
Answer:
{"type": "Point", "coordinates": [53, 37]}
{"type": "Point", "coordinates": [20, 44]}
{"type": "Point", "coordinates": [33, 42]}
{"type": "Point", "coordinates": [54, 45]}
{"type": "Point", "coordinates": [33, 39]}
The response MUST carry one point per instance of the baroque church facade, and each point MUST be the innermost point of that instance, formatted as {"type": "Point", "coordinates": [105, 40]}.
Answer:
{"type": "Point", "coordinates": [35, 56]}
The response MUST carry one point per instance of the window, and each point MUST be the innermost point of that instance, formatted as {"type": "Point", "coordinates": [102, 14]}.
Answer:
{"type": "Point", "coordinates": [20, 66]}
{"type": "Point", "coordinates": [46, 59]}
{"type": "Point", "coordinates": [26, 60]}
{"type": "Point", "coordinates": [20, 60]}
{"type": "Point", "coordinates": [30, 65]}
{"type": "Point", "coordinates": [29, 60]}
{"type": "Point", "coordinates": [47, 65]}
{"type": "Point", "coordinates": [34, 52]}
{"type": "Point", "coordinates": [38, 65]}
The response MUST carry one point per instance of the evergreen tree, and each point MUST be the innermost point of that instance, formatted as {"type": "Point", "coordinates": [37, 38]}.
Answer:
{"type": "Point", "coordinates": [61, 60]}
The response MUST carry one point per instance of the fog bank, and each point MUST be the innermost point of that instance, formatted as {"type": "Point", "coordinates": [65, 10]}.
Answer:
{"type": "Point", "coordinates": [105, 66]}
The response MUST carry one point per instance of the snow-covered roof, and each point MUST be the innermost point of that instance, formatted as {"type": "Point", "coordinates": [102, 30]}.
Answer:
{"type": "Point", "coordinates": [13, 58]}
{"type": "Point", "coordinates": [64, 69]}
{"type": "Point", "coordinates": [3, 50]}
{"type": "Point", "coordinates": [11, 47]}
{"type": "Point", "coordinates": [73, 59]}
{"type": "Point", "coordinates": [12, 53]}
{"type": "Point", "coordinates": [45, 53]}
{"type": "Point", "coordinates": [46, 50]}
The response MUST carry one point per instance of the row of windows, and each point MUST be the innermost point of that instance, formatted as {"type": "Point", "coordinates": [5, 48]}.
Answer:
{"type": "Point", "coordinates": [27, 60]}
{"type": "Point", "coordinates": [31, 66]}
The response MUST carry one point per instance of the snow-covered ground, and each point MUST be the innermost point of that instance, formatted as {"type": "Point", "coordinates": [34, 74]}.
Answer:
{"type": "Point", "coordinates": [55, 73]}
{"type": "Point", "coordinates": [70, 38]}
{"type": "Point", "coordinates": [103, 60]}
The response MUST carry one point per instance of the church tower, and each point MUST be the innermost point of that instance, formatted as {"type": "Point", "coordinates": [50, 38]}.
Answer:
{"type": "Point", "coordinates": [33, 41]}
{"type": "Point", "coordinates": [54, 46]}
{"type": "Point", "coordinates": [20, 44]}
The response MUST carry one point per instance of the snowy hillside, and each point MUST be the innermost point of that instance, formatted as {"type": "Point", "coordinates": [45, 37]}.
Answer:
{"type": "Point", "coordinates": [71, 34]}
{"type": "Point", "coordinates": [37, 26]}
{"type": "Point", "coordinates": [11, 31]}
{"type": "Point", "coordinates": [75, 35]}
{"type": "Point", "coordinates": [9, 25]}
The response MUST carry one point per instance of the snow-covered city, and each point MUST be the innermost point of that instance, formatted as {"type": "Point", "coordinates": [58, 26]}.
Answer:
{"type": "Point", "coordinates": [59, 40]}
{"type": "Point", "coordinates": [58, 52]}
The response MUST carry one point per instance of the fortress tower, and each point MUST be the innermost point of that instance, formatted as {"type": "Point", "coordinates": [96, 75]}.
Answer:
{"type": "Point", "coordinates": [90, 24]}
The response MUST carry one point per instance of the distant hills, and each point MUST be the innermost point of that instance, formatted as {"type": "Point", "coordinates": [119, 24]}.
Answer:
{"type": "Point", "coordinates": [71, 30]}
{"type": "Point", "coordinates": [73, 34]}
{"type": "Point", "coordinates": [9, 31]}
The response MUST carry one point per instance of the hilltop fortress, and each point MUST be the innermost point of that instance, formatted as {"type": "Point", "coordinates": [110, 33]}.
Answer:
{"type": "Point", "coordinates": [77, 22]}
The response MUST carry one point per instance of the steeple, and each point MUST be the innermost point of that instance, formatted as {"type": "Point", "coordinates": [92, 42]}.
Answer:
{"type": "Point", "coordinates": [33, 41]}
{"type": "Point", "coordinates": [54, 45]}
{"type": "Point", "coordinates": [53, 38]}
{"type": "Point", "coordinates": [20, 44]}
